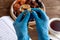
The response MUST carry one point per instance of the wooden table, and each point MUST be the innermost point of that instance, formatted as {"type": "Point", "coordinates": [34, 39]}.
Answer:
{"type": "Point", "coordinates": [52, 9]}
{"type": "Point", "coordinates": [5, 7]}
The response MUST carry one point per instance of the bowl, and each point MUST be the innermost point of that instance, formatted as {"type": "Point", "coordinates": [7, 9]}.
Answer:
{"type": "Point", "coordinates": [31, 23]}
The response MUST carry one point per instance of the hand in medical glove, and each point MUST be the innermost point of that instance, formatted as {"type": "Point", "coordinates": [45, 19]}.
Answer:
{"type": "Point", "coordinates": [41, 24]}
{"type": "Point", "coordinates": [21, 26]}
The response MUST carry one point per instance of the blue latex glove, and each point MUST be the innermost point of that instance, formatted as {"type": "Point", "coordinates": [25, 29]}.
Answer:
{"type": "Point", "coordinates": [41, 24]}
{"type": "Point", "coordinates": [21, 26]}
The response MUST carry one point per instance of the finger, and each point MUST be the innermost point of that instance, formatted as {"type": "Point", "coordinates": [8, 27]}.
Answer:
{"type": "Point", "coordinates": [41, 12]}
{"type": "Point", "coordinates": [27, 16]}
{"type": "Point", "coordinates": [20, 16]}
{"type": "Point", "coordinates": [35, 16]}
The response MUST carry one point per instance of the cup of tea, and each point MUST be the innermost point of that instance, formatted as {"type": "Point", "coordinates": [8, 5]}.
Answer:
{"type": "Point", "coordinates": [54, 27]}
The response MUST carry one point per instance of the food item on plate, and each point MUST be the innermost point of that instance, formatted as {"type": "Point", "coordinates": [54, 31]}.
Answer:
{"type": "Point", "coordinates": [21, 2]}
{"type": "Point", "coordinates": [16, 6]}
{"type": "Point", "coordinates": [25, 7]}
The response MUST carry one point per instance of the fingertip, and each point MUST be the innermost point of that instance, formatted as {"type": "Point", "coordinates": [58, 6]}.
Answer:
{"type": "Point", "coordinates": [19, 17]}
{"type": "Point", "coordinates": [35, 15]}
{"type": "Point", "coordinates": [38, 10]}
{"type": "Point", "coordinates": [33, 8]}
{"type": "Point", "coordinates": [27, 16]}
{"type": "Point", "coordinates": [41, 12]}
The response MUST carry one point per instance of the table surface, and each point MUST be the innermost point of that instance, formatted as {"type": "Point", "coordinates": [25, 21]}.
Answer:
{"type": "Point", "coordinates": [52, 9]}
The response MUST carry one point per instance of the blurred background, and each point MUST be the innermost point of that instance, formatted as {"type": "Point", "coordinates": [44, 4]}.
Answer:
{"type": "Point", "coordinates": [52, 10]}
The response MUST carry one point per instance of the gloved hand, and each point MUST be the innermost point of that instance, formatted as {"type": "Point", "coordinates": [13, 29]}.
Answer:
{"type": "Point", "coordinates": [41, 23]}
{"type": "Point", "coordinates": [21, 26]}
